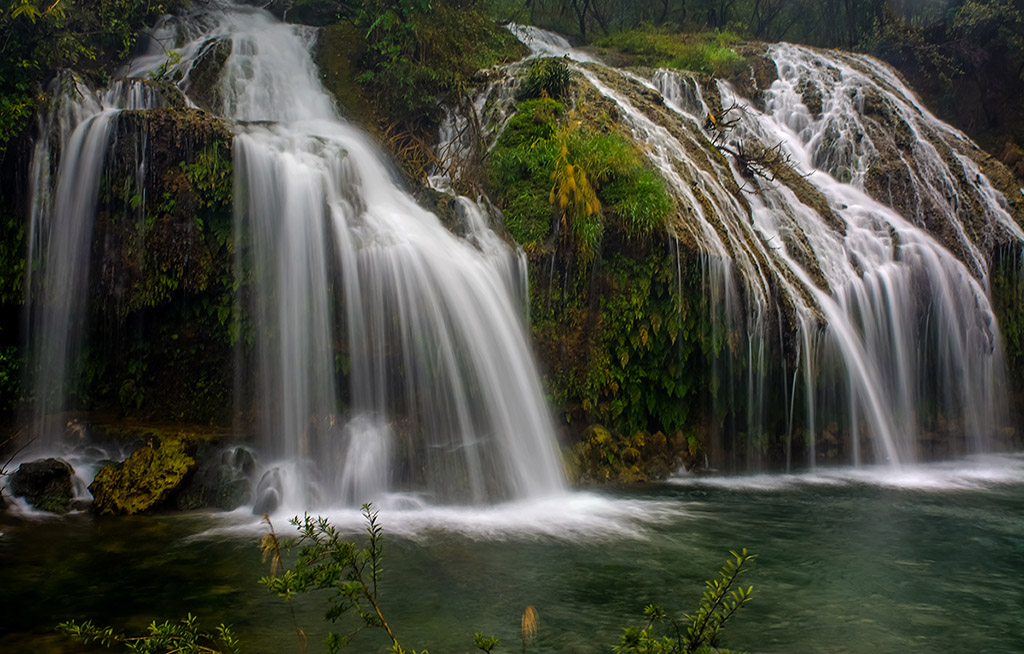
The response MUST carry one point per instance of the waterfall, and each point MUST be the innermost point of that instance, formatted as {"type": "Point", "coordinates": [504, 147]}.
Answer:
{"type": "Point", "coordinates": [887, 282]}
{"type": "Point", "coordinates": [847, 286]}
{"type": "Point", "coordinates": [350, 275]}
{"type": "Point", "coordinates": [67, 165]}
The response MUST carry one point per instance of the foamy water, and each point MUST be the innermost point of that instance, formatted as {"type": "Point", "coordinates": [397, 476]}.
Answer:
{"type": "Point", "coordinates": [976, 473]}
{"type": "Point", "coordinates": [575, 516]}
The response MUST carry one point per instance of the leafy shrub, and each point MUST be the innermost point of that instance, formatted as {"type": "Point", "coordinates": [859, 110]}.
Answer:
{"type": "Point", "coordinates": [641, 382]}
{"type": "Point", "coordinates": [547, 77]}
{"type": "Point", "coordinates": [702, 633]}
{"type": "Point", "coordinates": [42, 36]}
{"type": "Point", "coordinates": [184, 637]}
{"type": "Point", "coordinates": [327, 562]}
{"type": "Point", "coordinates": [419, 53]}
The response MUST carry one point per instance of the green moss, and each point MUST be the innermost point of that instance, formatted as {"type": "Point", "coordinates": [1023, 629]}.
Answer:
{"type": "Point", "coordinates": [519, 170]}
{"type": "Point", "coordinates": [54, 504]}
{"type": "Point", "coordinates": [546, 166]}
{"type": "Point", "coordinates": [144, 481]}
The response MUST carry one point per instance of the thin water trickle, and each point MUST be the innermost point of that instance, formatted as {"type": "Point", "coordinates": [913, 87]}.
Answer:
{"type": "Point", "coordinates": [75, 134]}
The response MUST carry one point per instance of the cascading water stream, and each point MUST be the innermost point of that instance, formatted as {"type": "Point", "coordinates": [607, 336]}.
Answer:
{"type": "Point", "coordinates": [912, 323]}
{"type": "Point", "coordinates": [350, 273]}
{"type": "Point", "coordinates": [891, 322]}
{"type": "Point", "coordinates": [389, 353]}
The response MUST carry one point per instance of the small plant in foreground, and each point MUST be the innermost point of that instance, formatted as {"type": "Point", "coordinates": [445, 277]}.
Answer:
{"type": "Point", "coordinates": [328, 562]}
{"type": "Point", "coordinates": [180, 637]}
{"type": "Point", "coordinates": [722, 598]}
{"type": "Point", "coordinates": [484, 643]}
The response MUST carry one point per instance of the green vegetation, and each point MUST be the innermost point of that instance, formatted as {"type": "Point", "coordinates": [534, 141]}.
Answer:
{"type": "Point", "coordinates": [611, 335]}
{"type": "Point", "coordinates": [351, 574]}
{"type": "Point", "coordinates": [407, 57]}
{"type": "Point", "coordinates": [519, 170]}
{"type": "Point", "coordinates": [182, 637]}
{"type": "Point", "coordinates": [1007, 284]}
{"type": "Point", "coordinates": [163, 310]}
{"type": "Point", "coordinates": [328, 562]}
{"type": "Point", "coordinates": [602, 457]}
{"type": "Point", "coordinates": [965, 57]}
{"type": "Point", "coordinates": [553, 174]}
{"type": "Point", "coordinates": [710, 53]}
{"type": "Point", "coordinates": [548, 77]}
{"type": "Point", "coordinates": [40, 36]}
{"type": "Point", "coordinates": [12, 257]}
{"type": "Point", "coordinates": [11, 366]}
{"type": "Point", "coordinates": [637, 381]}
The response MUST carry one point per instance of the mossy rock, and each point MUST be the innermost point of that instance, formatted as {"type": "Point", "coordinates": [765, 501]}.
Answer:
{"type": "Point", "coordinates": [145, 481]}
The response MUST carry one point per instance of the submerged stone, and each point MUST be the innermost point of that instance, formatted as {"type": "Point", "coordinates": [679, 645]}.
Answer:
{"type": "Point", "coordinates": [143, 482]}
{"type": "Point", "coordinates": [45, 484]}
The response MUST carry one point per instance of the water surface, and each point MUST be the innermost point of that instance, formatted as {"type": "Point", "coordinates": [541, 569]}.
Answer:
{"type": "Point", "coordinates": [922, 559]}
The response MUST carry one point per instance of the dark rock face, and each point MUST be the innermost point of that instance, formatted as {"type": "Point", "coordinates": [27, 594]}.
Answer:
{"type": "Point", "coordinates": [45, 484]}
{"type": "Point", "coordinates": [223, 480]}
{"type": "Point", "coordinates": [318, 13]}
{"type": "Point", "coordinates": [203, 86]}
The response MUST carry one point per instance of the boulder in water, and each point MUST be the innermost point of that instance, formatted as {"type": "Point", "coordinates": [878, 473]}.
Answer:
{"type": "Point", "coordinates": [222, 480]}
{"type": "Point", "coordinates": [268, 493]}
{"type": "Point", "coordinates": [45, 484]}
{"type": "Point", "coordinates": [146, 480]}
